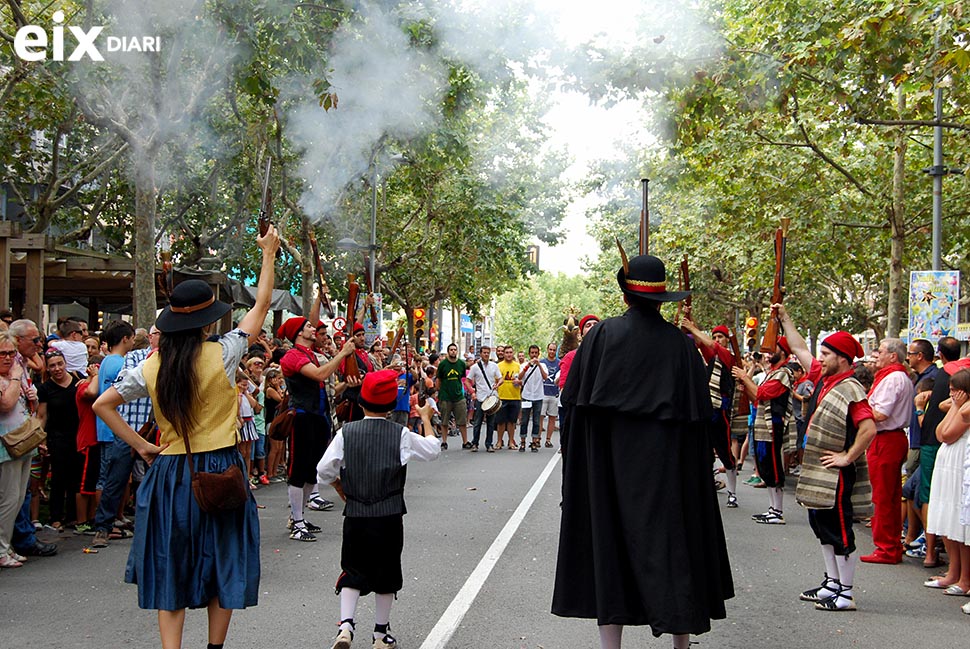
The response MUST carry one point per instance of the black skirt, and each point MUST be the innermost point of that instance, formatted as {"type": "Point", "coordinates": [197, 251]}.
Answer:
{"type": "Point", "coordinates": [370, 557]}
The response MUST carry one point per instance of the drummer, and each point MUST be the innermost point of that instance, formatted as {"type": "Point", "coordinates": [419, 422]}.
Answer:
{"type": "Point", "coordinates": [484, 377]}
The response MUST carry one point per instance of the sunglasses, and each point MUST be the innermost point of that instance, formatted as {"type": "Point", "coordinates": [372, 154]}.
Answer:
{"type": "Point", "coordinates": [8, 354]}
{"type": "Point", "coordinates": [52, 353]}
{"type": "Point", "coordinates": [37, 340]}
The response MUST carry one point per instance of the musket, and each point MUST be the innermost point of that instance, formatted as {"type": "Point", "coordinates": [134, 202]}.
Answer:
{"type": "Point", "coordinates": [353, 288]}
{"type": "Point", "coordinates": [265, 206]}
{"type": "Point", "coordinates": [324, 289]}
{"type": "Point", "coordinates": [744, 405]}
{"type": "Point", "coordinates": [644, 217]}
{"type": "Point", "coordinates": [396, 342]}
{"type": "Point", "coordinates": [770, 341]}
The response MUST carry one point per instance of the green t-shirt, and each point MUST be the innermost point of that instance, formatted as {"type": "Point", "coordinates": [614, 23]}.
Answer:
{"type": "Point", "coordinates": [451, 375]}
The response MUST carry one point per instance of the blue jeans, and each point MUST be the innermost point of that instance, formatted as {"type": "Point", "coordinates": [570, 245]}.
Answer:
{"type": "Point", "coordinates": [477, 426]}
{"type": "Point", "coordinates": [258, 449]}
{"type": "Point", "coordinates": [117, 463]}
{"type": "Point", "coordinates": [23, 530]}
{"type": "Point", "coordinates": [536, 415]}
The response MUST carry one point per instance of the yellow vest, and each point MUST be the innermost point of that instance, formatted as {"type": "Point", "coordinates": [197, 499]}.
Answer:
{"type": "Point", "coordinates": [507, 391]}
{"type": "Point", "coordinates": [215, 407]}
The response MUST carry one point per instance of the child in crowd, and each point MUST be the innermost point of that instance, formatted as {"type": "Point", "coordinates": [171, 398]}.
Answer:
{"type": "Point", "coordinates": [366, 463]}
{"type": "Point", "coordinates": [247, 428]}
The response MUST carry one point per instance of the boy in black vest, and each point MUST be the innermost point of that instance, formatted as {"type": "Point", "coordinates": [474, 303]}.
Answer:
{"type": "Point", "coordinates": [367, 464]}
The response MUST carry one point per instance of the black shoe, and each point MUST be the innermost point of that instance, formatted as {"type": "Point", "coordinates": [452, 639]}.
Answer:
{"type": "Point", "coordinates": [39, 550]}
{"type": "Point", "coordinates": [313, 529]}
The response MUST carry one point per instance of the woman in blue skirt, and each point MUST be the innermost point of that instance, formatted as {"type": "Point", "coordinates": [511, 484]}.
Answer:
{"type": "Point", "coordinates": [181, 556]}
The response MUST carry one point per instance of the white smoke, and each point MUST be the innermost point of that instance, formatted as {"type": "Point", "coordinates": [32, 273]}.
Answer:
{"type": "Point", "coordinates": [385, 88]}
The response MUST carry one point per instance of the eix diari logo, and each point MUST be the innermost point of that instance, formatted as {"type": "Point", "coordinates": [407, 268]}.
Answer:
{"type": "Point", "coordinates": [31, 42]}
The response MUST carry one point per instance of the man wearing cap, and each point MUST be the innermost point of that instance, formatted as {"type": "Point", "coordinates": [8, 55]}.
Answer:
{"type": "Point", "coordinates": [349, 389]}
{"type": "Point", "coordinates": [774, 401]}
{"type": "Point", "coordinates": [720, 384]}
{"type": "Point", "coordinates": [891, 400]}
{"type": "Point", "coordinates": [834, 481]}
{"type": "Point", "coordinates": [367, 464]}
{"type": "Point", "coordinates": [637, 458]}
{"type": "Point", "coordinates": [312, 426]}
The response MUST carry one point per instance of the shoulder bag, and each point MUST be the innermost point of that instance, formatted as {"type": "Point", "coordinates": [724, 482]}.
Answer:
{"type": "Point", "coordinates": [282, 425]}
{"type": "Point", "coordinates": [27, 436]}
{"type": "Point", "coordinates": [217, 492]}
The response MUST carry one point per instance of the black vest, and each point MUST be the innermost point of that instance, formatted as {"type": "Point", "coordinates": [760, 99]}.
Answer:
{"type": "Point", "coordinates": [373, 476]}
{"type": "Point", "coordinates": [305, 393]}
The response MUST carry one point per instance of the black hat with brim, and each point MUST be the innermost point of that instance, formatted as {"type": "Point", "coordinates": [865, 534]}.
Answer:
{"type": "Point", "coordinates": [192, 306]}
{"type": "Point", "coordinates": [647, 280]}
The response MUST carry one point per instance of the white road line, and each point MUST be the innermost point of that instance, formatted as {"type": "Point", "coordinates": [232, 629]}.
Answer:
{"type": "Point", "coordinates": [453, 615]}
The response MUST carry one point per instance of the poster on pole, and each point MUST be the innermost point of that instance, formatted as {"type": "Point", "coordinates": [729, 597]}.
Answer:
{"type": "Point", "coordinates": [934, 296]}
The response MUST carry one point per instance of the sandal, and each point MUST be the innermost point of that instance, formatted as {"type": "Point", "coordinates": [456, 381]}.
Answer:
{"type": "Point", "coordinates": [548, 444]}
{"type": "Point", "coordinates": [512, 446]}
{"type": "Point", "coordinates": [498, 447]}
{"type": "Point", "coordinates": [118, 534]}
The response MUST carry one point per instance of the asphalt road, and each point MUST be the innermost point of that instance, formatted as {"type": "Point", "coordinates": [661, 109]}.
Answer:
{"type": "Point", "coordinates": [459, 505]}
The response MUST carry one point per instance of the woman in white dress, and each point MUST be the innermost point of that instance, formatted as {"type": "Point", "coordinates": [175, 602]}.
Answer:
{"type": "Point", "coordinates": [946, 491]}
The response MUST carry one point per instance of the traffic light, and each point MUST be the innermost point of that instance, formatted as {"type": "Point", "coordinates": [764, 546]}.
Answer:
{"type": "Point", "coordinates": [419, 328]}
{"type": "Point", "coordinates": [751, 333]}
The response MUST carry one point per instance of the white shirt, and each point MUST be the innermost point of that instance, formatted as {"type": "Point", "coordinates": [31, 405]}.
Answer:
{"type": "Point", "coordinates": [412, 446]}
{"type": "Point", "coordinates": [483, 382]}
{"type": "Point", "coordinates": [532, 386]}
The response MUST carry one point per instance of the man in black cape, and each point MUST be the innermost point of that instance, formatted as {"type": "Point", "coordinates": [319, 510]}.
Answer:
{"type": "Point", "coordinates": [641, 540]}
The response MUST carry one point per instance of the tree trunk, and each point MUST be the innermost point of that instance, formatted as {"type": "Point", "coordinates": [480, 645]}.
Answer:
{"type": "Point", "coordinates": [144, 304]}
{"type": "Point", "coordinates": [898, 227]}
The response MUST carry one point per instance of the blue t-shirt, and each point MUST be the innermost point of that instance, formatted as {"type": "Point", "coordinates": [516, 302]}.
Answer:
{"type": "Point", "coordinates": [404, 383]}
{"type": "Point", "coordinates": [550, 386]}
{"type": "Point", "coordinates": [107, 373]}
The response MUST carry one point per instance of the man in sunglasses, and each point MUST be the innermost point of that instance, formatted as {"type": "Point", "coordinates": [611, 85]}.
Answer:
{"type": "Point", "coordinates": [30, 344]}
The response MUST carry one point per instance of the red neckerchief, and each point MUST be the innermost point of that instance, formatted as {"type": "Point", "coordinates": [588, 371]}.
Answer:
{"type": "Point", "coordinates": [801, 380]}
{"type": "Point", "coordinates": [883, 373]}
{"type": "Point", "coordinates": [829, 382]}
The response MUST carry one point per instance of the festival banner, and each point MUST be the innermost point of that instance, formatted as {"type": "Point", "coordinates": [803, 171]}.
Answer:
{"type": "Point", "coordinates": [934, 297]}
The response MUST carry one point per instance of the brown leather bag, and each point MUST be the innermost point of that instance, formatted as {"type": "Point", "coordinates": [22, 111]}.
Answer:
{"type": "Point", "coordinates": [27, 436]}
{"type": "Point", "coordinates": [282, 425]}
{"type": "Point", "coordinates": [217, 492]}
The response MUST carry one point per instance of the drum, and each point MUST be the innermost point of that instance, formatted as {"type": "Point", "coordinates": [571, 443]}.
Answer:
{"type": "Point", "coordinates": [491, 404]}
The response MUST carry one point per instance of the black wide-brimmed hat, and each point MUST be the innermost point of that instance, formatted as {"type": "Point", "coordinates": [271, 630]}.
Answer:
{"type": "Point", "coordinates": [647, 280]}
{"type": "Point", "coordinates": [192, 306]}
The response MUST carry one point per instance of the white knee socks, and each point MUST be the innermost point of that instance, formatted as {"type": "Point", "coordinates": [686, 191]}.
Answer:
{"type": "Point", "coordinates": [382, 612]}
{"type": "Point", "coordinates": [296, 502]}
{"type": "Point", "coordinates": [731, 479]}
{"type": "Point", "coordinates": [348, 604]}
{"type": "Point", "coordinates": [682, 641]}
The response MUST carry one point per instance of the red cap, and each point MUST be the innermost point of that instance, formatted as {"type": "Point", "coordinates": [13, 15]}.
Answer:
{"type": "Point", "coordinates": [321, 324]}
{"type": "Point", "coordinates": [291, 328]}
{"type": "Point", "coordinates": [590, 317]}
{"type": "Point", "coordinates": [721, 329]}
{"type": "Point", "coordinates": [844, 344]}
{"type": "Point", "coordinates": [379, 390]}
{"type": "Point", "coordinates": [358, 327]}
{"type": "Point", "coordinates": [783, 343]}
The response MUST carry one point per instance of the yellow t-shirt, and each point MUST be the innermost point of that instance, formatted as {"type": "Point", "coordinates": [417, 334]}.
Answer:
{"type": "Point", "coordinates": [508, 391]}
